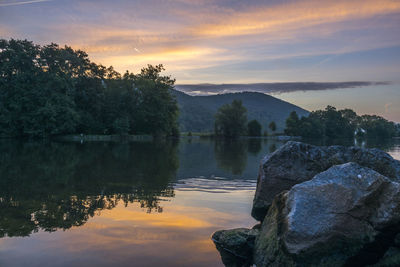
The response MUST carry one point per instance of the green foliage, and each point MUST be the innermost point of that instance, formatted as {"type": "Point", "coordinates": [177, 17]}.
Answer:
{"type": "Point", "coordinates": [121, 125]}
{"type": "Point", "coordinates": [292, 124]}
{"type": "Point", "coordinates": [157, 110]}
{"type": "Point", "coordinates": [272, 126]}
{"type": "Point", "coordinates": [254, 128]}
{"type": "Point", "coordinates": [376, 126]}
{"type": "Point", "coordinates": [35, 93]}
{"type": "Point", "coordinates": [332, 123]}
{"type": "Point", "coordinates": [230, 120]}
{"type": "Point", "coordinates": [51, 90]}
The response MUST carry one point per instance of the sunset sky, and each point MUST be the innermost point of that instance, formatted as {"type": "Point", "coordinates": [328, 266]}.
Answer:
{"type": "Point", "coordinates": [210, 41]}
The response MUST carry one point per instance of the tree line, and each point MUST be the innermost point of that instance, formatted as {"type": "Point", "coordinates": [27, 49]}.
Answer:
{"type": "Point", "coordinates": [52, 90]}
{"type": "Point", "coordinates": [231, 121]}
{"type": "Point", "coordinates": [345, 123]}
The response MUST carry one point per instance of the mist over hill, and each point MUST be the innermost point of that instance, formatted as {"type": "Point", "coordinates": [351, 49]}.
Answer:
{"type": "Point", "coordinates": [197, 112]}
{"type": "Point", "coordinates": [282, 87]}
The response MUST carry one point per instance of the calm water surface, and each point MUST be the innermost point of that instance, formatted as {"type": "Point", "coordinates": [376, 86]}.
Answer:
{"type": "Point", "coordinates": [130, 204]}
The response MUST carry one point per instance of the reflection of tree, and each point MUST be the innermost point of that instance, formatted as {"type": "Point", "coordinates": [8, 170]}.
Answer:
{"type": "Point", "coordinates": [384, 144]}
{"type": "Point", "coordinates": [254, 145]}
{"type": "Point", "coordinates": [54, 186]}
{"type": "Point", "coordinates": [231, 155]}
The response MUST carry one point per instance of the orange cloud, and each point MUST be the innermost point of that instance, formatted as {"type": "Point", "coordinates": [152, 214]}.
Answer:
{"type": "Point", "coordinates": [295, 15]}
{"type": "Point", "coordinates": [188, 36]}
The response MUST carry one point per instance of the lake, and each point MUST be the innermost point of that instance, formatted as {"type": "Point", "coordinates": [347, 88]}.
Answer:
{"type": "Point", "coordinates": [128, 204]}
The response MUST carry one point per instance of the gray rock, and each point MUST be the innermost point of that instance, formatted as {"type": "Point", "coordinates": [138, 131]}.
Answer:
{"type": "Point", "coordinates": [296, 162]}
{"type": "Point", "coordinates": [397, 241]}
{"type": "Point", "coordinates": [238, 242]}
{"type": "Point", "coordinates": [335, 219]}
{"type": "Point", "coordinates": [390, 259]}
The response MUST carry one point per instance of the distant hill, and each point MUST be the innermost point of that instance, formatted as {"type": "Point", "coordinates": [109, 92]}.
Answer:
{"type": "Point", "coordinates": [197, 112]}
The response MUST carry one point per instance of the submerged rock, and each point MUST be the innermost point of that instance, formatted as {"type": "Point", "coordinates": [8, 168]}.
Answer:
{"type": "Point", "coordinates": [296, 162]}
{"type": "Point", "coordinates": [235, 245]}
{"type": "Point", "coordinates": [347, 215]}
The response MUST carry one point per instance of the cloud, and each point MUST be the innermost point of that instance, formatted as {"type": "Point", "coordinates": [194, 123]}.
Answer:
{"type": "Point", "coordinates": [193, 37]}
{"type": "Point", "coordinates": [22, 3]}
{"type": "Point", "coordinates": [293, 16]}
{"type": "Point", "coordinates": [271, 88]}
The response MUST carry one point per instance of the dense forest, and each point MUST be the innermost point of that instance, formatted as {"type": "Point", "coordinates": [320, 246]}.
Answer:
{"type": "Point", "coordinates": [52, 90]}
{"type": "Point", "coordinates": [333, 123]}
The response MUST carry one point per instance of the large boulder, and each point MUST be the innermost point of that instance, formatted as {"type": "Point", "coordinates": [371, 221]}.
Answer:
{"type": "Point", "coordinates": [296, 162]}
{"type": "Point", "coordinates": [236, 246]}
{"type": "Point", "coordinates": [347, 215]}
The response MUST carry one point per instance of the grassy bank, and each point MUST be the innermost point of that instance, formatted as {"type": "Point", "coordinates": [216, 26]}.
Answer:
{"type": "Point", "coordinates": [103, 138]}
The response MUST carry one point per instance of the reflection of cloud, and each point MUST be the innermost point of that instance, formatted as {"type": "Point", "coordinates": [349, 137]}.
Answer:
{"type": "Point", "coordinates": [174, 218]}
{"type": "Point", "coordinates": [23, 3]}
{"type": "Point", "coordinates": [127, 236]}
{"type": "Point", "coordinates": [208, 89]}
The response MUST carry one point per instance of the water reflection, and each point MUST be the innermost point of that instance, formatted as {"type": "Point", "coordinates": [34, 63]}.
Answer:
{"type": "Point", "coordinates": [54, 186]}
{"type": "Point", "coordinates": [120, 202]}
{"type": "Point", "coordinates": [231, 155]}
{"type": "Point", "coordinates": [254, 145]}
{"type": "Point", "coordinates": [384, 144]}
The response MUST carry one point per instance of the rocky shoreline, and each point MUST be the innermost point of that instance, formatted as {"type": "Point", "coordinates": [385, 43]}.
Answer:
{"type": "Point", "coordinates": [320, 206]}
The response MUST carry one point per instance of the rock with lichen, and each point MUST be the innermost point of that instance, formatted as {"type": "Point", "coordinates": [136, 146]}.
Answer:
{"type": "Point", "coordinates": [297, 162]}
{"type": "Point", "coordinates": [236, 245]}
{"type": "Point", "coordinates": [346, 215]}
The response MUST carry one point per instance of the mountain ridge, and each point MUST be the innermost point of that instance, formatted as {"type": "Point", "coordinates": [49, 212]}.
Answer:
{"type": "Point", "coordinates": [197, 112]}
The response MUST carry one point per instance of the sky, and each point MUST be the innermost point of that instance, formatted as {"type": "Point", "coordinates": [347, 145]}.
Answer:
{"type": "Point", "coordinates": [229, 41]}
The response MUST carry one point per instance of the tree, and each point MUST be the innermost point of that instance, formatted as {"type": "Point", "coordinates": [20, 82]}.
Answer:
{"type": "Point", "coordinates": [292, 124]}
{"type": "Point", "coordinates": [230, 120]}
{"type": "Point", "coordinates": [157, 109]}
{"type": "Point", "coordinates": [36, 98]}
{"type": "Point", "coordinates": [377, 127]}
{"type": "Point", "coordinates": [332, 123]}
{"type": "Point", "coordinates": [272, 126]}
{"type": "Point", "coordinates": [121, 126]}
{"type": "Point", "coordinates": [254, 128]}
{"type": "Point", "coordinates": [52, 90]}
{"type": "Point", "coordinates": [335, 125]}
